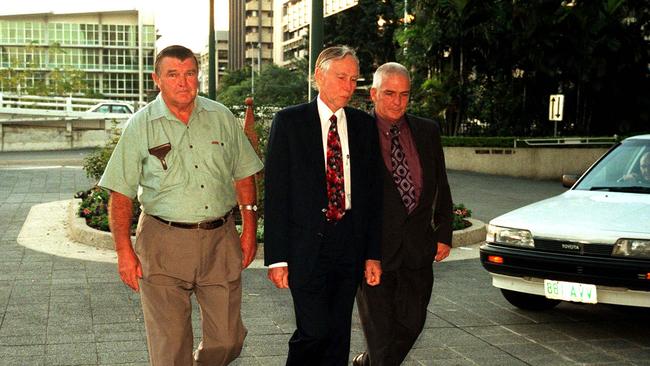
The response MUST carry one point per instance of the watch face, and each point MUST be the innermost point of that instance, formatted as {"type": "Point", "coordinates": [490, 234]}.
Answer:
{"type": "Point", "coordinates": [249, 207]}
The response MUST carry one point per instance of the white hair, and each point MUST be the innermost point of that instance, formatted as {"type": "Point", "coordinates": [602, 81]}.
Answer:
{"type": "Point", "coordinates": [389, 68]}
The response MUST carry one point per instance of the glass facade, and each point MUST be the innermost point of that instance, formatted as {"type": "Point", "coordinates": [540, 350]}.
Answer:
{"type": "Point", "coordinates": [107, 53]}
{"type": "Point", "coordinates": [71, 34]}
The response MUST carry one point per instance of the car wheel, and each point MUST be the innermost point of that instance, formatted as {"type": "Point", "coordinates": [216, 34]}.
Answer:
{"type": "Point", "coordinates": [529, 302]}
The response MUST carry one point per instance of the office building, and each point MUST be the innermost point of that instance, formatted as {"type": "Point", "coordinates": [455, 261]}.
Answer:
{"type": "Point", "coordinates": [251, 33]}
{"type": "Point", "coordinates": [115, 50]}
{"type": "Point", "coordinates": [291, 36]}
{"type": "Point", "coordinates": [221, 59]}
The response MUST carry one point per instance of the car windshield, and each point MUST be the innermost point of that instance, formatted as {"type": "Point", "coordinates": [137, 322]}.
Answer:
{"type": "Point", "coordinates": [624, 169]}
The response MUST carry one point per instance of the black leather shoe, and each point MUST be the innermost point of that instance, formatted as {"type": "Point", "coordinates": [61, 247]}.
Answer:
{"type": "Point", "coordinates": [360, 360]}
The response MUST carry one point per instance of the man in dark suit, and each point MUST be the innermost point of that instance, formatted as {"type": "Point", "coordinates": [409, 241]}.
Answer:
{"type": "Point", "coordinates": [415, 188]}
{"type": "Point", "coordinates": [322, 210]}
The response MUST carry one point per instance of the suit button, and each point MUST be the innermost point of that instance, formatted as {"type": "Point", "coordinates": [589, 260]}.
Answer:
{"type": "Point", "coordinates": [320, 235]}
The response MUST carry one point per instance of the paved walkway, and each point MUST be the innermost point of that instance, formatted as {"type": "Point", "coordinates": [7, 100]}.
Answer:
{"type": "Point", "coordinates": [61, 311]}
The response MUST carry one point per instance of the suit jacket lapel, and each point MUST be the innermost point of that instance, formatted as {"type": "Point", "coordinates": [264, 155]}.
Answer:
{"type": "Point", "coordinates": [353, 136]}
{"type": "Point", "coordinates": [421, 144]}
{"type": "Point", "coordinates": [314, 146]}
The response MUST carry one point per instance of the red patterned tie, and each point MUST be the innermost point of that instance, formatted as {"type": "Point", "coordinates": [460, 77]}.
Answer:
{"type": "Point", "coordinates": [334, 174]}
{"type": "Point", "coordinates": [401, 172]}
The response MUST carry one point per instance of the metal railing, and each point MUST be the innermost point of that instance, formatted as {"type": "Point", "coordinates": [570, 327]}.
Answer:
{"type": "Point", "coordinates": [70, 104]}
{"type": "Point", "coordinates": [564, 141]}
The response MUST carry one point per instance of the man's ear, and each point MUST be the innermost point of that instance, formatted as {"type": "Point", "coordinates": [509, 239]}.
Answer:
{"type": "Point", "coordinates": [155, 78]}
{"type": "Point", "coordinates": [318, 75]}
{"type": "Point", "coordinates": [373, 94]}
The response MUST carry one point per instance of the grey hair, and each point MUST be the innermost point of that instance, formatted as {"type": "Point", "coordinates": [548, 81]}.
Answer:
{"type": "Point", "coordinates": [334, 53]}
{"type": "Point", "coordinates": [389, 68]}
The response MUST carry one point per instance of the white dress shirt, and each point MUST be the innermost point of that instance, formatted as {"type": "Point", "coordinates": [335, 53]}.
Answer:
{"type": "Point", "coordinates": [324, 113]}
{"type": "Point", "coordinates": [342, 125]}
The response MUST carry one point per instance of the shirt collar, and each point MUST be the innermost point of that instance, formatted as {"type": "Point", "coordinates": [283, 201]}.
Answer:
{"type": "Point", "coordinates": [160, 110]}
{"type": "Point", "coordinates": [384, 125]}
{"type": "Point", "coordinates": [324, 111]}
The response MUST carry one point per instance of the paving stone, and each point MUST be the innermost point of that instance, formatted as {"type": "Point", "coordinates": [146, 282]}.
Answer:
{"type": "Point", "coordinates": [30, 339]}
{"type": "Point", "coordinates": [59, 311]}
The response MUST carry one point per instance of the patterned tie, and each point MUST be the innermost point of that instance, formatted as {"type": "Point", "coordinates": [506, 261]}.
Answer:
{"type": "Point", "coordinates": [401, 172]}
{"type": "Point", "coordinates": [334, 174]}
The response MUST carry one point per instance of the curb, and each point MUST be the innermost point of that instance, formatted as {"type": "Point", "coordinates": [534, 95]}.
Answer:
{"type": "Point", "coordinates": [470, 235]}
{"type": "Point", "coordinates": [82, 233]}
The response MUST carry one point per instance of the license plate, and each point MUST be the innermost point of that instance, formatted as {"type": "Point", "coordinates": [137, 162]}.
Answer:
{"type": "Point", "coordinates": [570, 291]}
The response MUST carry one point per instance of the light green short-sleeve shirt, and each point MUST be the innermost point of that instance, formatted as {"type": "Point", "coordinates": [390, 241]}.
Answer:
{"type": "Point", "coordinates": [206, 156]}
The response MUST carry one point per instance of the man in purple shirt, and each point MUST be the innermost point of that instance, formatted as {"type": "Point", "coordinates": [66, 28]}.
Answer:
{"type": "Point", "coordinates": [416, 223]}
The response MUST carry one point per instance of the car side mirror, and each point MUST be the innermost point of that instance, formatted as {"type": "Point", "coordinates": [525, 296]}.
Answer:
{"type": "Point", "coordinates": [568, 180]}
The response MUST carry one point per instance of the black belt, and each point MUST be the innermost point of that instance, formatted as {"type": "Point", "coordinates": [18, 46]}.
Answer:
{"type": "Point", "coordinates": [205, 225]}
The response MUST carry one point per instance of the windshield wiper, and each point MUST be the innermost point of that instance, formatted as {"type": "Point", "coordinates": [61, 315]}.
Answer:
{"type": "Point", "coordinates": [630, 189]}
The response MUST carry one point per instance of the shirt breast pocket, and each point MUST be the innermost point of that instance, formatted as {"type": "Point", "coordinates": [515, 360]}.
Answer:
{"type": "Point", "coordinates": [158, 165]}
{"type": "Point", "coordinates": [219, 159]}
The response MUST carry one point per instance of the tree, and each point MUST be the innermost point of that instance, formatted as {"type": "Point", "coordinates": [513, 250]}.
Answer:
{"type": "Point", "coordinates": [235, 87]}
{"type": "Point", "coordinates": [274, 86]}
{"type": "Point", "coordinates": [369, 28]}
{"type": "Point", "coordinates": [443, 46]}
{"type": "Point", "coordinates": [494, 64]}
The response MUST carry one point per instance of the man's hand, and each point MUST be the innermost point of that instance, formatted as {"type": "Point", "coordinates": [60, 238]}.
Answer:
{"type": "Point", "coordinates": [279, 276]}
{"type": "Point", "coordinates": [443, 251]}
{"type": "Point", "coordinates": [128, 265]}
{"type": "Point", "coordinates": [248, 247]}
{"type": "Point", "coordinates": [373, 272]}
{"type": "Point", "coordinates": [120, 213]}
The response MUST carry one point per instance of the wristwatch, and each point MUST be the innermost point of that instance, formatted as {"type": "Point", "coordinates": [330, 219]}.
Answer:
{"type": "Point", "coordinates": [249, 207]}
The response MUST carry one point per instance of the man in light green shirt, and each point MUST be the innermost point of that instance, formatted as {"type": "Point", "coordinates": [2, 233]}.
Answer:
{"type": "Point", "coordinates": [189, 163]}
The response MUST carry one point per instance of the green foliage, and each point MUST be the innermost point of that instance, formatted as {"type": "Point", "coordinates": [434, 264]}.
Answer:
{"type": "Point", "coordinates": [274, 86]}
{"type": "Point", "coordinates": [95, 163]}
{"type": "Point", "coordinates": [462, 141]}
{"type": "Point", "coordinates": [460, 214]}
{"type": "Point", "coordinates": [359, 27]}
{"type": "Point", "coordinates": [497, 62]}
{"type": "Point", "coordinates": [280, 87]}
{"type": "Point", "coordinates": [235, 87]}
{"type": "Point", "coordinates": [509, 142]}
{"type": "Point", "coordinates": [94, 208]}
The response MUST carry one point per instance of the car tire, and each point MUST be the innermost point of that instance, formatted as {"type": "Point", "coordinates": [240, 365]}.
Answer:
{"type": "Point", "coordinates": [529, 302]}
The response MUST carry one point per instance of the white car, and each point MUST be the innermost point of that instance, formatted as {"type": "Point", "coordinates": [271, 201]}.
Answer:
{"type": "Point", "coordinates": [112, 107]}
{"type": "Point", "coordinates": [590, 244]}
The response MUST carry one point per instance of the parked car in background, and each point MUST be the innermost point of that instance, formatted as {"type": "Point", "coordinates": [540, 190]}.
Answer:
{"type": "Point", "coordinates": [590, 244]}
{"type": "Point", "coordinates": [112, 107]}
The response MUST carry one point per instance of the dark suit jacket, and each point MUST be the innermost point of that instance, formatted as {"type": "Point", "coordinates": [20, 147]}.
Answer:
{"type": "Point", "coordinates": [410, 241]}
{"type": "Point", "coordinates": [295, 188]}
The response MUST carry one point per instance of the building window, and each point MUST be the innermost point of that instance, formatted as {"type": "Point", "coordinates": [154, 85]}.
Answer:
{"type": "Point", "coordinates": [120, 59]}
{"type": "Point", "coordinates": [120, 35]}
{"type": "Point", "coordinates": [149, 35]}
{"type": "Point", "coordinates": [89, 34]}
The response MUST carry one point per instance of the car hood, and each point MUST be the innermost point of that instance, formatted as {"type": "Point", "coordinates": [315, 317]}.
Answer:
{"type": "Point", "coordinates": [589, 216]}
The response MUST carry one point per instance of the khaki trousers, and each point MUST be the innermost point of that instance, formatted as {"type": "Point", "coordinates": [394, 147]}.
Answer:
{"type": "Point", "coordinates": [177, 263]}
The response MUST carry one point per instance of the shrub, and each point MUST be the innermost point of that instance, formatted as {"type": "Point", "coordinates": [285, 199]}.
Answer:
{"type": "Point", "coordinates": [94, 208]}
{"type": "Point", "coordinates": [95, 163]}
{"type": "Point", "coordinates": [460, 214]}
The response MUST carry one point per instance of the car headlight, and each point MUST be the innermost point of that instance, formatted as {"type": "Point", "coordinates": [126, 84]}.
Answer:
{"type": "Point", "coordinates": [634, 248]}
{"type": "Point", "coordinates": [509, 236]}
